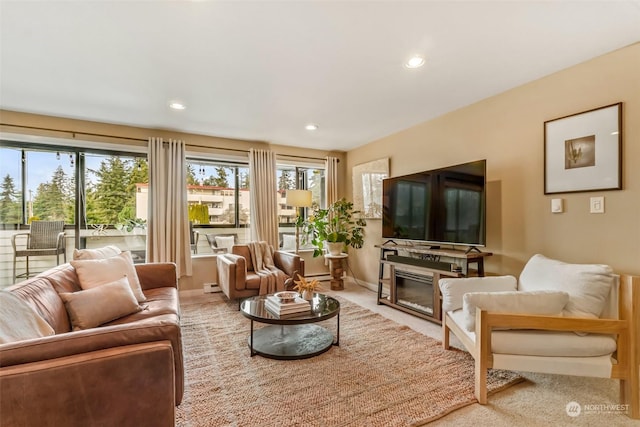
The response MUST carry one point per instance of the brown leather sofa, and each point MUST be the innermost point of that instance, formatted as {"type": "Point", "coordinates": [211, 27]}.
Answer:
{"type": "Point", "coordinates": [128, 372]}
{"type": "Point", "coordinates": [238, 279]}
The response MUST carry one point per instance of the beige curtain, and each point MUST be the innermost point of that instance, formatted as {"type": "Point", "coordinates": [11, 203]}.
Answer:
{"type": "Point", "coordinates": [331, 179]}
{"type": "Point", "coordinates": [263, 196]}
{"type": "Point", "coordinates": [168, 223]}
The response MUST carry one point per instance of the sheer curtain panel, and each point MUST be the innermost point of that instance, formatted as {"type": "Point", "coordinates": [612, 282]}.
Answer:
{"type": "Point", "coordinates": [263, 196]}
{"type": "Point", "coordinates": [168, 222]}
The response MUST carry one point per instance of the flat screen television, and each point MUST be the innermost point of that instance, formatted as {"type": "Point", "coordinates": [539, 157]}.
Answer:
{"type": "Point", "coordinates": [445, 205]}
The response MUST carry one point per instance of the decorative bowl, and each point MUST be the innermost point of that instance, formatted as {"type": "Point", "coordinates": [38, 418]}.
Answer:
{"type": "Point", "coordinates": [286, 296]}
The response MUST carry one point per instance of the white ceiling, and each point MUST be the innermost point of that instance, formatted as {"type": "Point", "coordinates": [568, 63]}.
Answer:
{"type": "Point", "coordinates": [262, 70]}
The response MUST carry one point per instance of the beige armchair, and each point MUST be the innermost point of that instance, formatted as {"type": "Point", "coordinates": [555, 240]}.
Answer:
{"type": "Point", "coordinates": [236, 275]}
{"type": "Point", "coordinates": [45, 238]}
{"type": "Point", "coordinates": [558, 318]}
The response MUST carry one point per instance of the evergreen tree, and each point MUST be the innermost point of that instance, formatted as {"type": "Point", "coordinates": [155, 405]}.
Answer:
{"type": "Point", "coordinates": [220, 180]}
{"type": "Point", "coordinates": [10, 205]}
{"type": "Point", "coordinates": [191, 175]}
{"type": "Point", "coordinates": [287, 180]}
{"type": "Point", "coordinates": [111, 194]}
{"type": "Point", "coordinates": [54, 200]}
{"type": "Point", "coordinates": [139, 174]}
{"type": "Point", "coordinates": [244, 179]}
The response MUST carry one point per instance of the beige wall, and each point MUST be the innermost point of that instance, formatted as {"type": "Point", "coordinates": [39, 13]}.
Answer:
{"type": "Point", "coordinates": [507, 130]}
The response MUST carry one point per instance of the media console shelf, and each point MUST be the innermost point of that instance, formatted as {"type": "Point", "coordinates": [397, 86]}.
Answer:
{"type": "Point", "coordinates": [413, 276]}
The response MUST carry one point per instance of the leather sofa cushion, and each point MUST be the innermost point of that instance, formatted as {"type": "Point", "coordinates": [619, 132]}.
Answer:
{"type": "Point", "coordinates": [159, 301]}
{"type": "Point", "coordinates": [40, 295]}
{"type": "Point", "coordinates": [63, 278]}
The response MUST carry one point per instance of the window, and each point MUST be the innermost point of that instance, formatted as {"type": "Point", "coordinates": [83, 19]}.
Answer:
{"type": "Point", "coordinates": [36, 184]}
{"type": "Point", "coordinates": [116, 189]}
{"type": "Point", "coordinates": [286, 178]}
{"type": "Point", "coordinates": [218, 194]}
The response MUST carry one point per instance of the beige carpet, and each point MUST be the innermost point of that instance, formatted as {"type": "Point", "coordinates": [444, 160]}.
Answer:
{"type": "Point", "coordinates": [382, 374]}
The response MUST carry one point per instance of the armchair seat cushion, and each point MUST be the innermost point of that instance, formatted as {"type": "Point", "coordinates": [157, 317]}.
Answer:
{"type": "Point", "coordinates": [253, 281]}
{"type": "Point", "coordinates": [543, 343]}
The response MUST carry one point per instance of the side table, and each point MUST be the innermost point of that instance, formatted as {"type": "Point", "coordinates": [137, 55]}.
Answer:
{"type": "Point", "coordinates": [336, 270]}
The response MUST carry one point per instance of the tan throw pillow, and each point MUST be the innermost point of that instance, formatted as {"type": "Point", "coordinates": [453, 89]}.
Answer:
{"type": "Point", "coordinates": [97, 272]}
{"type": "Point", "coordinates": [100, 253]}
{"type": "Point", "coordinates": [18, 321]}
{"type": "Point", "coordinates": [544, 303]}
{"type": "Point", "coordinates": [96, 306]}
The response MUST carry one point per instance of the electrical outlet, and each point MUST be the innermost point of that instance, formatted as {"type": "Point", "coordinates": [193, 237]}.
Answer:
{"type": "Point", "coordinates": [597, 204]}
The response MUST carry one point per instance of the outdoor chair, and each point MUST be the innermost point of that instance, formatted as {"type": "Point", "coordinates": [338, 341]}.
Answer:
{"type": "Point", "coordinates": [221, 243]}
{"type": "Point", "coordinates": [194, 236]}
{"type": "Point", "coordinates": [45, 238]}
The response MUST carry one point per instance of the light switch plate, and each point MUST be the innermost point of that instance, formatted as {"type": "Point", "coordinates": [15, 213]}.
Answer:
{"type": "Point", "coordinates": [556, 206]}
{"type": "Point", "coordinates": [597, 205]}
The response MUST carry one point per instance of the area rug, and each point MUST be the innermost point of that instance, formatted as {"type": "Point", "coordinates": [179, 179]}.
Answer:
{"type": "Point", "coordinates": [382, 374]}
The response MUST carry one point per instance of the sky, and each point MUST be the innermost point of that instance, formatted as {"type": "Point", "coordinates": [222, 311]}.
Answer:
{"type": "Point", "coordinates": [40, 166]}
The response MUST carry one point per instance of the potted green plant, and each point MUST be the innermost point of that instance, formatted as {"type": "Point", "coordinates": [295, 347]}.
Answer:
{"type": "Point", "coordinates": [338, 227]}
{"type": "Point", "coordinates": [132, 225]}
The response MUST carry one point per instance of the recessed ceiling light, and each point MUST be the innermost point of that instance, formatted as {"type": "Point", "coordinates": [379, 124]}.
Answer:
{"type": "Point", "coordinates": [311, 126]}
{"type": "Point", "coordinates": [416, 61]}
{"type": "Point", "coordinates": [177, 105]}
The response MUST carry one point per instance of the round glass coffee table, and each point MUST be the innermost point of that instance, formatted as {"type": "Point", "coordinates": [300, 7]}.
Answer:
{"type": "Point", "coordinates": [295, 336]}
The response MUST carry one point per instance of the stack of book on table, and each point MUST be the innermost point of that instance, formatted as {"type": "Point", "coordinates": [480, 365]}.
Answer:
{"type": "Point", "coordinates": [274, 305]}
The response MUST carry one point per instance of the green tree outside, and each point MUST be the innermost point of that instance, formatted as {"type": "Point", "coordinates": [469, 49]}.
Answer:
{"type": "Point", "coordinates": [287, 180]}
{"type": "Point", "coordinates": [111, 194]}
{"type": "Point", "coordinates": [54, 200]}
{"type": "Point", "coordinates": [10, 202]}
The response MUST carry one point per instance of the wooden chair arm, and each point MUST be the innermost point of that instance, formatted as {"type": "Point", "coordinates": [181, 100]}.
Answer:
{"type": "Point", "coordinates": [550, 323]}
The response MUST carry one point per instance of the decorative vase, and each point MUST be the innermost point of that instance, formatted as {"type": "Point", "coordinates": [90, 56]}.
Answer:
{"type": "Point", "coordinates": [335, 248]}
{"type": "Point", "coordinates": [307, 294]}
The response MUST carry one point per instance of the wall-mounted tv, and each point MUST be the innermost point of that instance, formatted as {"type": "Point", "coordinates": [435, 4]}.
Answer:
{"type": "Point", "coordinates": [445, 205]}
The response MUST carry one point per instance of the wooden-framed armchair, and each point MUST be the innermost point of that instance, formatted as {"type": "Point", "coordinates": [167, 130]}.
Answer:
{"type": "Point", "coordinates": [509, 326]}
{"type": "Point", "coordinates": [45, 238]}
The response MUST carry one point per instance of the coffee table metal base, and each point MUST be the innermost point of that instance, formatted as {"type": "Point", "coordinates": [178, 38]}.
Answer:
{"type": "Point", "coordinates": [290, 341]}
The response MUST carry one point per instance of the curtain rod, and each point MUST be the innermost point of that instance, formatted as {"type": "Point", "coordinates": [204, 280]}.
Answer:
{"type": "Point", "coordinates": [74, 133]}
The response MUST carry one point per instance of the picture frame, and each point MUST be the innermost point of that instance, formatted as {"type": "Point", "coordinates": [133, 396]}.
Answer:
{"type": "Point", "coordinates": [367, 187]}
{"type": "Point", "coordinates": [583, 151]}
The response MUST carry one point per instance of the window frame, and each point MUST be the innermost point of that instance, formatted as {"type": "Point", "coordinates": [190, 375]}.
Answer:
{"type": "Point", "coordinates": [79, 172]}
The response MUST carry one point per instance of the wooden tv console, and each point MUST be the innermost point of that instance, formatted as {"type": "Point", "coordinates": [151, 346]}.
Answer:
{"type": "Point", "coordinates": [413, 274]}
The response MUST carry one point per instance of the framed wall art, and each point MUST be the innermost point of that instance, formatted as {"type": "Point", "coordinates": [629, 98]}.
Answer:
{"type": "Point", "coordinates": [583, 152]}
{"type": "Point", "coordinates": [367, 187]}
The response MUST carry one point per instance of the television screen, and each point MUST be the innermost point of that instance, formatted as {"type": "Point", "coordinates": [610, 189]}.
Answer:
{"type": "Point", "coordinates": [444, 205]}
